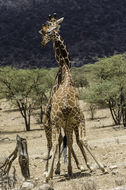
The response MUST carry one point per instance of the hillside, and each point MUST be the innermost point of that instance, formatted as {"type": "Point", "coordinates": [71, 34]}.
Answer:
{"type": "Point", "coordinates": [91, 29]}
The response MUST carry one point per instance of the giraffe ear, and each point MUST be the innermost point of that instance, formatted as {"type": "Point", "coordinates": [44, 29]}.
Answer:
{"type": "Point", "coordinates": [40, 31]}
{"type": "Point", "coordinates": [55, 16]}
{"type": "Point", "coordinates": [59, 21]}
{"type": "Point", "coordinates": [49, 17]}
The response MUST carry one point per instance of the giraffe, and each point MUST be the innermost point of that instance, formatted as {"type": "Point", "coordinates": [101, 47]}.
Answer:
{"type": "Point", "coordinates": [63, 108]}
{"type": "Point", "coordinates": [48, 131]}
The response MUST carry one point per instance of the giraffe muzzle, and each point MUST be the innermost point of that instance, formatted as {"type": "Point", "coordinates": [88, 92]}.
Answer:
{"type": "Point", "coordinates": [40, 32]}
{"type": "Point", "coordinates": [43, 44]}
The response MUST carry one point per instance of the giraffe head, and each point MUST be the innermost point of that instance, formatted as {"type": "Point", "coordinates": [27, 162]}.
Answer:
{"type": "Point", "coordinates": [50, 28]}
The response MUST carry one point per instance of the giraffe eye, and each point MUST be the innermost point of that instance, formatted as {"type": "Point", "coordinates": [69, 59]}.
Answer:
{"type": "Point", "coordinates": [49, 32]}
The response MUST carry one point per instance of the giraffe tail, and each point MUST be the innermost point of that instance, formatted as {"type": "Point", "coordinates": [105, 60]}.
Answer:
{"type": "Point", "coordinates": [64, 149]}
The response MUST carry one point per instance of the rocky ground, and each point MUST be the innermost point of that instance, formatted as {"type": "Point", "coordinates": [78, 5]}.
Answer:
{"type": "Point", "coordinates": [108, 143]}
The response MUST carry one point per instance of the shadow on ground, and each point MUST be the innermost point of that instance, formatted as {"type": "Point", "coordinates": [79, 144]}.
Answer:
{"type": "Point", "coordinates": [76, 175]}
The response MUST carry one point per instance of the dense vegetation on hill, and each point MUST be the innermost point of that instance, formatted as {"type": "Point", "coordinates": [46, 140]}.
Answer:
{"type": "Point", "coordinates": [101, 84]}
{"type": "Point", "coordinates": [91, 29]}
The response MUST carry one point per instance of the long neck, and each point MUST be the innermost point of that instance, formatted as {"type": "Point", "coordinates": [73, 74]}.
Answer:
{"type": "Point", "coordinates": [62, 57]}
{"type": "Point", "coordinates": [61, 53]}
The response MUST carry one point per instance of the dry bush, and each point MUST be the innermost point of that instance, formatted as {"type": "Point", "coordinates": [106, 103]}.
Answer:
{"type": "Point", "coordinates": [86, 185]}
{"type": "Point", "coordinates": [120, 181]}
{"type": "Point", "coordinates": [8, 182]}
{"type": "Point", "coordinates": [89, 185]}
{"type": "Point", "coordinates": [92, 111]}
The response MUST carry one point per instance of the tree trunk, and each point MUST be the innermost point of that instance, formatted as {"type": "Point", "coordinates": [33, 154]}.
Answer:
{"type": "Point", "coordinates": [92, 111]}
{"type": "Point", "coordinates": [124, 117]}
{"type": "Point", "coordinates": [41, 114]}
{"type": "Point", "coordinates": [24, 114]}
{"type": "Point", "coordinates": [23, 157]}
{"type": "Point", "coordinates": [27, 123]}
{"type": "Point", "coordinates": [115, 119]}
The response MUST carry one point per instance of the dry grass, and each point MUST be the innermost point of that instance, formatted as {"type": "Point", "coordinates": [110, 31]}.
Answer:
{"type": "Point", "coordinates": [8, 182]}
{"type": "Point", "coordinates": [89, 185]}
{"type": "Point", "coordinates": [107, 144]}
{"type": "Point", "coordinates": [120, 180]}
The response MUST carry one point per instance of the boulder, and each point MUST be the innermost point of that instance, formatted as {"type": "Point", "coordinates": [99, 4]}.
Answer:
{"type": "Point", "coordinates": [27, 185]}
{"type": "Point", "coordinates": [45, 187]}
{"type": "Point", "coordinates": [113, 167]}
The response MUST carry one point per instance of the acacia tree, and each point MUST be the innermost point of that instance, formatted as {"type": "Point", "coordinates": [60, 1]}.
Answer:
{"type": "Point", "coordinates": [79, 78]}
{"type": "Point", "coordinates": [26, 89]}
{"type": "Point", "coordinates": [42, 88]}
{"type": "Point", "coordinates": [108, 87]}
{"type": "Point", "coordinates": [17, 86]}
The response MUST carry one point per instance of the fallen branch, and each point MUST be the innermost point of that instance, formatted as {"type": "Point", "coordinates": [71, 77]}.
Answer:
{"type": "Point", "coordinates": [23, 157]}
{"type": "Point", "coordinates": [5, 168]}
{"type": "Point", "coordinates": [22, 153]}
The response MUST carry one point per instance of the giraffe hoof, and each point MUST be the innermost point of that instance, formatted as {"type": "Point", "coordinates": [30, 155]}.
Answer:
{"type": "Point", "coordinates": [57, 172]}
{"type": "Point", "coordinates": [70, 174]}
{"type": "Point", "coordinates": [47, 158]}
{"type": "Point", "coordinates": [45, 174]}
{"type": "Point", "coordinates": [105, 171]}
{"type": "Point", "coordinates": [82, 168]}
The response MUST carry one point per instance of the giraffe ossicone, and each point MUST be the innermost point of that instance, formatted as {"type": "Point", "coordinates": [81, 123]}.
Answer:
{"type": "Point", "coordinates": [63, 110]}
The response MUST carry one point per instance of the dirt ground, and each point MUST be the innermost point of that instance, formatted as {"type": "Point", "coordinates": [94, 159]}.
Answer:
{"type": "Point", "coordinates": [108, 143]}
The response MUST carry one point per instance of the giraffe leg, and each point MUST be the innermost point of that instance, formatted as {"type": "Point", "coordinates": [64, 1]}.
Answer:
{"type": "Point", "coordinates": [56, 133]}
{"type": "Point", "coordinates": [79, 143]}
{"type": "Point", "coordinates": [101, 167]}
{"type": "Point", "coordinates": [69, 135]}
{"type": "Point", "coordinates": [50, 173]}
{"type": "Point", "coordinates": [60, 139]}
{"type": "Point", "coordinates": [48, 132]}
{"type": "Point", "coordinates": [57, 171]}
{"type": "Point", "coordinates": [75, 158]}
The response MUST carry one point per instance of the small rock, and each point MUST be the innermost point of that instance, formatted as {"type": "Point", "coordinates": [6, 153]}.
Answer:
{"type": "Point", "coordinates": [119, 188]}
{"type": "Point", "coordinates": [113, 167]}
{"type": "Point", "coordinates": [124, 165]}
{"type": "Point", "coordinates": [36, 179]}
{"type": "Point", "coordinates": [94, 166]}
{"type": "Point", "coordinates": [37, 157]}
{"type": "Point", "coordinates": [45, 187]}
{"type": "Point", "coordinates": [45, 174]}
{"type": "Point", "coordinates": [115, 172]}
{"type": "Point", "coordinates": [104, 157]}
{"type": "Point", "coordinates": [120, 181]}
{"type": "Point", "coordinates": [5, 139]}
{"type": "Point", "coordinates": [27, 185]}
{"type": "Point", "coordinates": [95, 146]}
